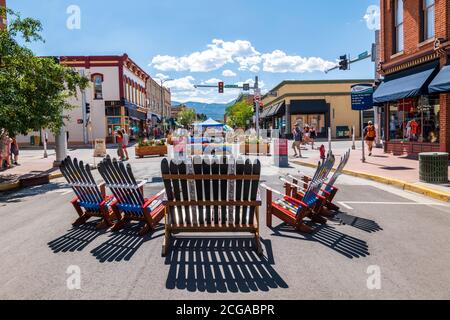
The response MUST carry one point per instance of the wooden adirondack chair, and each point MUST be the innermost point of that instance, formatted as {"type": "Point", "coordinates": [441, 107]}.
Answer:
{"type": "Point", "coordinates": [130, 203]}
{"type": "Point", "coordinates": [294, 211]}
{"type": "Point", "coordinates": [212, 194]}
{"type": "Point", "coordinates": [91, 199]}
{"type": "Point", "coordinates": [298, 192]}
{"type": "Point", "coordinates": [328, 189]}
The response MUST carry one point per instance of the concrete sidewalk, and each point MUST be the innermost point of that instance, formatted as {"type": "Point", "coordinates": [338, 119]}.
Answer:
{"type": "Point", "coordinates": [402, 172]}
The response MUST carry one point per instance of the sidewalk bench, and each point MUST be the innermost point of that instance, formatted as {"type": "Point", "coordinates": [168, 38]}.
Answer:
{"type": "Point", "coordinates": [211, 194]}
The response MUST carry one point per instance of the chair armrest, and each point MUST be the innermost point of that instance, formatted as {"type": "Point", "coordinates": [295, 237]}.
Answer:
{"type": "Point", "coordinates": [107, 199]}
{"type": "Point", "coordinates": [150, 201]}
{"type": "Point", "coordinates": [75, 200]}
{"type": "Point", "coordinates": [264, 186]}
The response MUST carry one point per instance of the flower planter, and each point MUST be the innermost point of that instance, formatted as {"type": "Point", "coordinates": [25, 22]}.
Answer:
{"type": "Point", "coordinates": [262, 149]}
{"type": "Point", "coordinates": [141, 152]}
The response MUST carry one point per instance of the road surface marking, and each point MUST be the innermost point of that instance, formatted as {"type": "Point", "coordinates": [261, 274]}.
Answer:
{"type": "Point", "coordinates": [347, 204]}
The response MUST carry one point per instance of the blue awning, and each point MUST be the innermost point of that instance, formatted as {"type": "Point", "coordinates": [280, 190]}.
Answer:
{"type": "Point", "coordinates": [442, 81]}
{"type": "Point", "coordinates": [402, 87]}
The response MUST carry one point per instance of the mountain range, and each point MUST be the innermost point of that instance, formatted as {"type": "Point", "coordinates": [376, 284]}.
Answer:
{"type": "Point", "coordinates": [215, 111]}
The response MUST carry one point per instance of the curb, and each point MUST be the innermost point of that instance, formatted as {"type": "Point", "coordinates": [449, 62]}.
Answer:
{"type": "Point", "coordinates": [430, 193]}
{"type": "Point", "coordinates": [16, 184]}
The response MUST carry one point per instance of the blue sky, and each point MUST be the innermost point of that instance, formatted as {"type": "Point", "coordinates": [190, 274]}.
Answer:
{"type": "Point", "coordinates": [202, 41]}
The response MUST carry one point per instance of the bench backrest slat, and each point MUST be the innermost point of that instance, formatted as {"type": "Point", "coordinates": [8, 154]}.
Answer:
{"type": "Point", "coordinates": [213, 195]}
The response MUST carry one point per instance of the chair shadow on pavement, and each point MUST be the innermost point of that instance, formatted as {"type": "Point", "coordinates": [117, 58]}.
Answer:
{"type": "Point", "coordinates": [123, 244]}
{"type": "Point", "coordinates": [366, 225]}
{"type": "Point", "coordinates": [77, 239]}
{"type": "Point", "coordinates": [343, 244]}
{"type": "Point", "coordinates": [221, 265]}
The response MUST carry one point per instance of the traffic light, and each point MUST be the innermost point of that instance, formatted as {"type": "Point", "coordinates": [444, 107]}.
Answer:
{"type": "Point", "coordinates": [221, 87]}
{"type": "Point", "coordinates": [88, 108]}
{"type": "Point", "coordinates": [343, 63]}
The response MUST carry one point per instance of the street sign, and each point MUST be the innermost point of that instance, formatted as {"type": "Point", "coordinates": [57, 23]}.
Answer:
{"type": "Point", "coordinates": [246, 87]}
{"type": "Point", "coordinates": [363, 55]}
{"type": "Point", "coordinates": [362, 97]}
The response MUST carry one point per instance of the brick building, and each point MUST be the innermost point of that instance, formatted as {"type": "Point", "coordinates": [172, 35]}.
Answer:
{"type": "Point", "coordinates": [159, 103]}
{"type": "Point", "coordinates": [415, 92]}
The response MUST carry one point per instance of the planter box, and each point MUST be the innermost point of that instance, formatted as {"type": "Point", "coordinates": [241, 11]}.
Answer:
{"type": "Point", "coordinates": [151, 151]}
{"type": "Point", "coordinates": [252, 149]}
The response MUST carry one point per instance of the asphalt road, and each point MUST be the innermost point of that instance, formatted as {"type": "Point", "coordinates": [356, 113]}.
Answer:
{"type": "Point", "coordinates": [402, 235]}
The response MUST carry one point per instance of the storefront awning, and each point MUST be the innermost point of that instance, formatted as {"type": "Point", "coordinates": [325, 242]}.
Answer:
{"type": "Point", "coordinates": [442, 81]}
{"type": "Point", "coordinates": [309, 106]}
{"type": "Point", "coordinates": [266, 112]}
{"type": "Point", "coordinates": [404, 85]}
{"type": "Point", "coordinates": [278, 109]}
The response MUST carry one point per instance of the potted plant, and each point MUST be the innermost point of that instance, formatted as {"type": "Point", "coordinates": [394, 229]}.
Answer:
{"type": "Point", "coordinates": [151, 148]}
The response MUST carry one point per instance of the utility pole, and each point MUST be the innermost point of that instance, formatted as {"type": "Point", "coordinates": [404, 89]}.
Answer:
{"type": "Point", "coordinates": [257, 98]}
{"type": "Point", "coordinates": [376, 110]}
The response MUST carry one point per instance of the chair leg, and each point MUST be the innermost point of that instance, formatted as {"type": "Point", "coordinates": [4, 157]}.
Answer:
{"type": "Point", "coordinates": [81, 220]}
{"type": "Point", "coordinates": [259, 250]}
{"type": "Point", "coordinates": [318, 219]}
{"type": "Point", "coordinates": [120, 224]}
{"type": "Point", "coordinates": [148, 223]}
{"type": "Point", "coordinates": [106, 223]}
{"type": "Point", "coordinates": [166, 243]}
{"type": "Point", "coordinates": [303, 228]}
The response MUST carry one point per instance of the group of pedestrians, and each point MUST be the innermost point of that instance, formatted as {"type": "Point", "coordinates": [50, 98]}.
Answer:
{"type": "Point", "coordinates": [303, 136]}
{"type": "Point", "coordinates": [9, 154]}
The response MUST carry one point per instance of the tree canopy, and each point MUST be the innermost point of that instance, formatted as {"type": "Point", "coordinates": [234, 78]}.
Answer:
{"type": "Point", "coordinates": [34, 90]}
{"type": "Point", "coordinates": [186, 117]}
{"type": "Point", "coordinates": [240, 114]}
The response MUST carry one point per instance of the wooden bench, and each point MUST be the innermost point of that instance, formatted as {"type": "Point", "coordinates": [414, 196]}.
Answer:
{"type": "Point", "coordinates": [129, 203]}
{"type": "Point", "coordinates": [211, 194]}
{"type": "Point", "coordinates": [91, 200]}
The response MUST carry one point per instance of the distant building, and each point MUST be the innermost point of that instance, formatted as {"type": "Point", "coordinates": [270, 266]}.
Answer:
{"type": "Point", "coordinates": [117, 98]}
{"type": "Point", "coordinates": [319, 104]}
{"type": "Point", "coordinates": [159, 102]}
{"type": "Point", "coordinates": [415, 92]}
{"type": "Point", "coordinates": [176, 109]}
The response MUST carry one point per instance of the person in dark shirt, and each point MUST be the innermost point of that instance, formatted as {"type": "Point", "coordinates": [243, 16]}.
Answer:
{"type": "Point", "coordinates": [298, 138]}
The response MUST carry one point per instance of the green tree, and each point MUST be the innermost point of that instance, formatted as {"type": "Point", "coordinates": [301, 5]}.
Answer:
{"type": "Point", "coordinates": [186, 117]}
{"type": "Point", "coordinates": [34, 90]}
{"type": "Point", "coordinates": [240, 114]}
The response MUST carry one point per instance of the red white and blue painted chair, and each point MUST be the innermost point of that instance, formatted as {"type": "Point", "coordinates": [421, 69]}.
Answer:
{"type": "Point", "coordinates": [292, 209]}
{"type": "Point", "coordinates": [91, 199]}
{"type": "Point", "coordinates": [129, 203]}
{"type": "Point", "coordinates": [329, 189]}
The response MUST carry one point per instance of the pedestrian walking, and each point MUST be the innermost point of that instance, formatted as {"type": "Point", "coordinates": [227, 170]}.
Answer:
{"type": "Point", "coordinates": [312, 137]}
{"type": "Point", "coordinates": [298, 138]}
{"type": "Point", "coordinates": [15, 151]}
{"type": "Point", "coordinates": [370, 135]}
{"type": "Point", "coordinates": [125, 143]}
{"type": "Point", "coordinates": [119, 140]}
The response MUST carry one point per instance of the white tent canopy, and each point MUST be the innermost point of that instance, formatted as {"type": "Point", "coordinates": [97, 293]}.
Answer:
{"type": "Point", "coordinates": [209, 123]}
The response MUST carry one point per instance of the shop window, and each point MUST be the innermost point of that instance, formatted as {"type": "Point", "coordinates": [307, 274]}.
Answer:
{"type": "Point", "coordinates": [415, 120]}
{"type": "Point", "coordinates": [98, 86]}
{"type": "Point", "coordinates": [428, 28]}
{"type": "Point", "coordinates": [398, 26]}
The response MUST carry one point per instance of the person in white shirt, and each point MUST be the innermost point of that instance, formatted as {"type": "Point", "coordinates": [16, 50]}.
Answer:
{"type": "Point", "coordinates": [126, 141]}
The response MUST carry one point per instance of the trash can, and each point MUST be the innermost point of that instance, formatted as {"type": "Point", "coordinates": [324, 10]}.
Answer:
{"type": "Point", "coordinates": [433, 167]}
{"type": "Point", "coordinates": [32, 143]}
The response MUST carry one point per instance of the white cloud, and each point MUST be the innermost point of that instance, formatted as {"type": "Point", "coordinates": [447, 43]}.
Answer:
{"type": "Point", "coordinates": [212, 81]}
{"type": "Point", "coordinates": [279, 62]}
{"type": "Point", "coordinates": [161, 76]}
{"type": "Point", "coordinates": [186, 83]}
{"type": "Point", "coordinates": [246, 63]}
{"type": "Point", "coordinates": [372, 17]}
{"type": "Point", "coordinates": [255, 69]}
{"type": "Point", "coordinates": [228, 73]}
{"type": "Point", "coordinates": [217, 54]}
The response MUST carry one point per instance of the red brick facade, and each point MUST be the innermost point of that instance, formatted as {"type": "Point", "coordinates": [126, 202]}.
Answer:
{"type": "Point", "coordinates": [416, 50]}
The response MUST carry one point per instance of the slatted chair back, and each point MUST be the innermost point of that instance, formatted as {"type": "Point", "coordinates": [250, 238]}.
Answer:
{"type": "Point", "coordinates": [321, 175]}
{"type": "Point", "coordinates": [122, 183]}
{"type": "Point", "coordinates": [80, 178]}
{"type": "Point", "coordinates": [212, 192]}
{"type": "Point", "coordinates": [338, 172]}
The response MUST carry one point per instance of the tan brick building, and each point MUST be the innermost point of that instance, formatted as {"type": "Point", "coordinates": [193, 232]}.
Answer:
{"type": "Point", "coordinates": [159, 101]}
{"type": "Point", "coordinates": [415, 44]}
{"type": "Point", "coordinates": [320, 104]}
